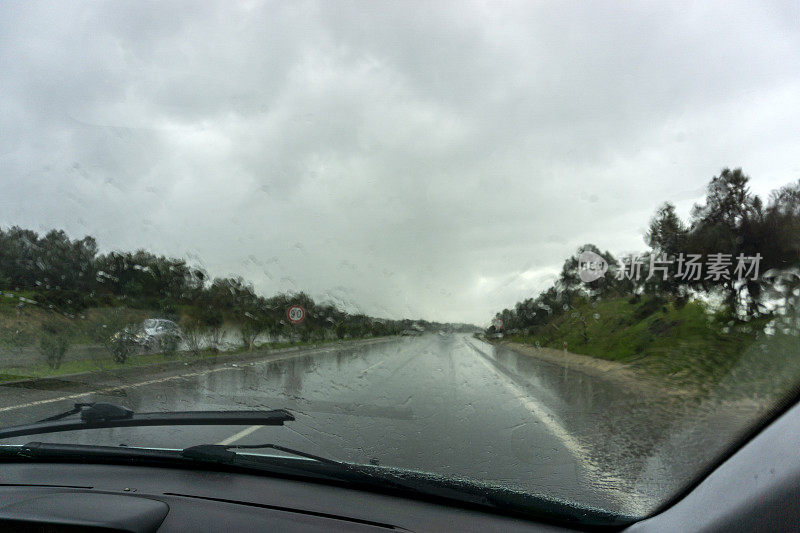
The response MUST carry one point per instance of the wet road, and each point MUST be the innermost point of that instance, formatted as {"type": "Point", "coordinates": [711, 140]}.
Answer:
{"type": "Point", "coordinates": [449, 405]}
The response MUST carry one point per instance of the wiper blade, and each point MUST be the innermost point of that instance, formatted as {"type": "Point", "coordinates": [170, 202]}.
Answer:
{"type": "Point", "coordinates": [389, 480]}
{"type": "Point", "coordinates": [106, 415]}
{"type": "Point", "coordinates": [322, 467]}
{"type": "Point", "coordinates": [224, 453]}
{"type": "Point", "coordinates": [93, 411]}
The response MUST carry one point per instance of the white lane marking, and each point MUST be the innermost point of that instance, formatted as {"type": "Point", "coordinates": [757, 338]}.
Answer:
{"type": "Point", "coordinates": [599, 477]}
{"type": "Point", "coordinates": [236, 436]}
{"type": "Point", "coordinates": [540, 412]}
{"type": "Point", "coordinates": [153, 381]}
{"type": "Point", "coordinates": [373, 366]}
{"type": "Point", "coordinates": [116, 387]}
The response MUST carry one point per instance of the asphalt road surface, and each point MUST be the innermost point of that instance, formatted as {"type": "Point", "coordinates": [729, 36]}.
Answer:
{"type": "Point", "coordinates": [443, 404]}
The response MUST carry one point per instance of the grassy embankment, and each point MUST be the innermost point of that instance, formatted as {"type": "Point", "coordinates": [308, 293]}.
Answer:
{"type": "Point", "coordinates": [143, 360]}
{"type": "Point", "coordinates": [687, 344]}
{"type": "Point", "coordinates": [20, 328]}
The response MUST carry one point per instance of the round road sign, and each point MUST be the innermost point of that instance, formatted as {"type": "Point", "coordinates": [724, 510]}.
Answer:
{"type": "Point", "coordinates": [498, 323]}
{"type": "Point", "coordinates": [296, 314]}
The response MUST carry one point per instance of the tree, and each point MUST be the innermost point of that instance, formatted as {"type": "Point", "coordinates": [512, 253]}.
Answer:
{"type": "Point", "coordinates": [212, 321]}
{"type": "Point", "coordinates": [193, 335]}
{"type": "Point", "coordinates": [667, 233]}
{"type": "Point", "coordinates": [725, 224]}
{"type": "Point", "coordinates": [54, 342]}
{"type": "Point", "coordinates": [251, 327]}
{"type": "Point", "coordinates": [728, 201]}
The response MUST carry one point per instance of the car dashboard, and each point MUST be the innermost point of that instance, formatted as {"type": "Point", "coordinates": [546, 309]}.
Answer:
{"type": "Point", "coordinates": [756, 488]}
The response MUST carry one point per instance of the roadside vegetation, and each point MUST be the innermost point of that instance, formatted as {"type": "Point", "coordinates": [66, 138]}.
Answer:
{"type": "Point", "coordinates": [693, 331]}
{"type": "Point", "coordinates": [58, 294]}
{"type": "Point", "coordinates": [105, 363]}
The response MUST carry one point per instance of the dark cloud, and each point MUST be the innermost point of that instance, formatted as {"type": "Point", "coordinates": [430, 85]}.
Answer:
{"type": "Point", "coordinates": [421, 159]}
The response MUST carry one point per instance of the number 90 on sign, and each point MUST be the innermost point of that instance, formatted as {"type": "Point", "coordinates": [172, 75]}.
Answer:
{"type": "Point", "coordinates": [296, 314]}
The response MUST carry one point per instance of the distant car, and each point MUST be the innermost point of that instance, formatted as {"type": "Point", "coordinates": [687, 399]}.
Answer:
{"type": "Point", "coordinates": [410, 333]}
{"type": "Point", "coordinates": [496, 335]}
{"type": "Point", "coordinates": [152, 335]}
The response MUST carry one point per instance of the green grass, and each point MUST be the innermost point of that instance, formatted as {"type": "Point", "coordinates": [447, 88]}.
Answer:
{"type": "Point", "coordinates": [22, 327]}
{"type": "Point", "coordinates": [11, 298]}
{"type": "Point", "coordinates": [687, 343]}
{"type": "Point", "coordinates": [83, 365]}
{"type": "Point", "coordinates": [108, 363]}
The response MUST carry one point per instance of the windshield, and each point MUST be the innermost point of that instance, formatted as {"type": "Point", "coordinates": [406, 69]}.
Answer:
{"type": "Point", "coordinates": [547, 249]}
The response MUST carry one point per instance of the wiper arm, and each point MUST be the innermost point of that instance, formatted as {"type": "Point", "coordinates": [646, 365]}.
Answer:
{"type": "Point", "coordinates": [93, 411]}
{"type": "Point", "coordinates": [223, 453]}
{"type": "Point", "coordinates": [107, 415]}
{"type": "Point", "coordinates": [385, 479]}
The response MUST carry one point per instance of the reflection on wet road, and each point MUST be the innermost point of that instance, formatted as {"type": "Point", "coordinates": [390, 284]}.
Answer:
{"type": "Point", "coordinates": [449, 405]}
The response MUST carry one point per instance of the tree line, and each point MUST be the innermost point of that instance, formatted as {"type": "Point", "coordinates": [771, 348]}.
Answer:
{"type": "Point", "coordinates": [67, 276]}
{"type": "Point", "coordinates": [735, 247]}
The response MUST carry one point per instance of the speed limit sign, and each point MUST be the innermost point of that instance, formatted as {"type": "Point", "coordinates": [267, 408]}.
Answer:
{"type": "Point", "coordinates": [296, 314]}
{"type": "Point", "coordinates": [498, 323]}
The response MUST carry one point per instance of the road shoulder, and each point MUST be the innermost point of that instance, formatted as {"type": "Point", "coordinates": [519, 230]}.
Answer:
{"type": "Point", "coordinates": [182, 363]}
{"type": "Point", "coordinates": [620, 373]}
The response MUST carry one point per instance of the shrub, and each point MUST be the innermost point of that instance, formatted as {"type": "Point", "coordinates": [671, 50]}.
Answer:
{"type": "Point", "coordinates": [123, 344]}
{"type": "Point", "coordinates": [210, 325]}
{"type": "Point", "coordinates": [114, 330]}
{"type": "Point", "coordinates": [54, 343]}
{"type": "Point", "coordinates": [63, 300]}
{"type": "Point", "coordinates": [193, 334]}
{"type": "Point", "coordinates": [170, 343]}
{"type": "Point", "coordinates": [250, 330]}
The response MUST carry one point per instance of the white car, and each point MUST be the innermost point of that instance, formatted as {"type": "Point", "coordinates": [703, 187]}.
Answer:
{"type": "Point", "coordinates": [152, 334]}
{"type": "Point", "coordinates": [156, 330]}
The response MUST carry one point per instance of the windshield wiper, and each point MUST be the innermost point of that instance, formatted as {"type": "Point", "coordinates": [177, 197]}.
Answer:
{"type": "Point", "coordinates": [323, 468]}
{"type": "Point", "coordinates": [223, 453]}
{"type": "Point", "coordinates": [392, 481]}
{"type": "Point", "coordinates": [319, 468]}
{"type": "Point", "coordinates": [108, 415]}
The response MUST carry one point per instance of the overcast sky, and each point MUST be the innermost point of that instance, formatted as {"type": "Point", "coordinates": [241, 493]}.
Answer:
{"type": "Point", "coordinates": [426, 160]}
